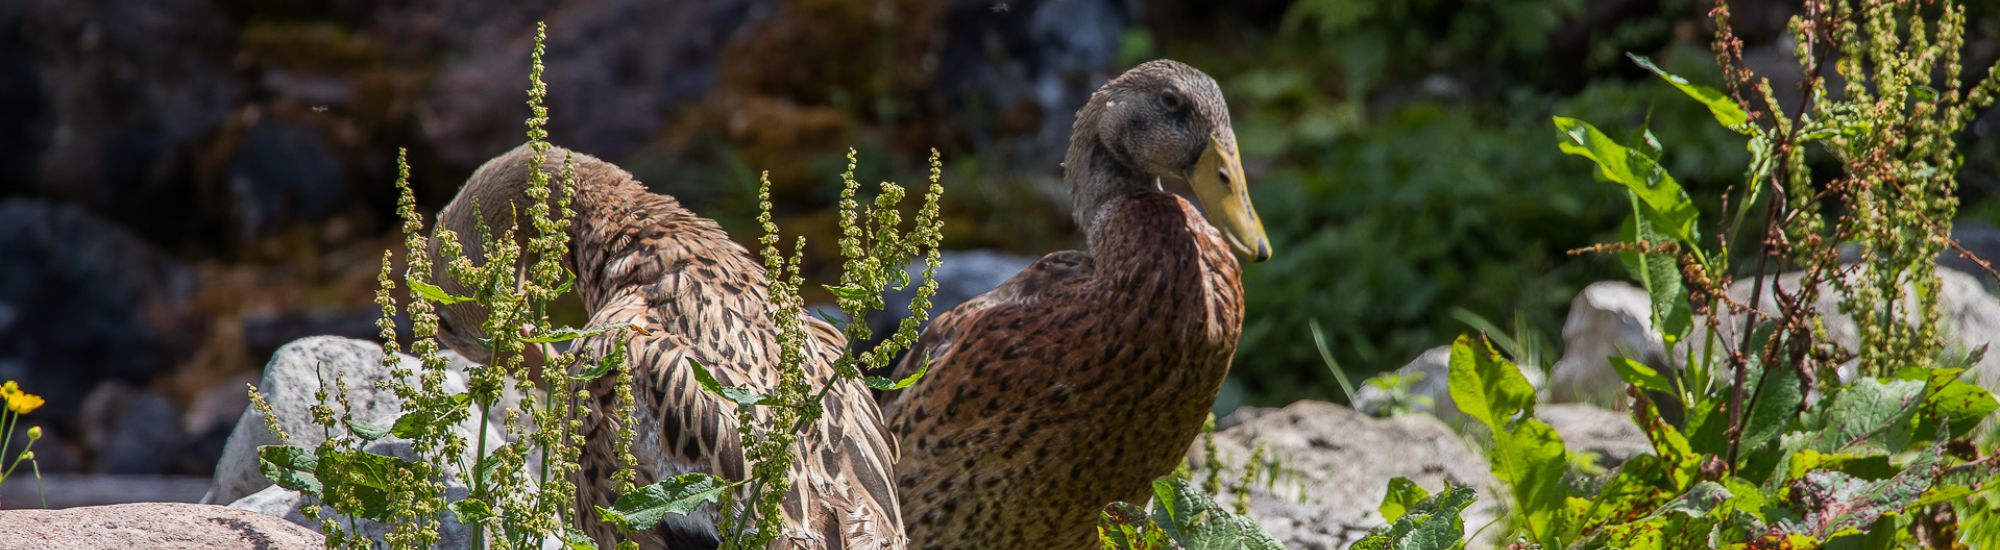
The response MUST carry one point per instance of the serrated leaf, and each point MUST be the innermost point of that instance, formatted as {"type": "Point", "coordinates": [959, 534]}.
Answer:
{"type": "Point", "coordinates": [1866, 416]}
{"type": "Point", "coordinates": [290, 467]}
{"type": "Point", "coordinates": [433, 292]}
{"type": "Point", "coordinates": [644, 508]}
{"type": "Point", "coordinates": [1433, 523]}
{"type": "Point", "coordinates": [1726, 111]}
{"type": "Point", "coordinates": [1666, 206]}
{"type": "Point", "coordinates": [885, 384]}
{"type": "Point", "coordinates": [565, 334]}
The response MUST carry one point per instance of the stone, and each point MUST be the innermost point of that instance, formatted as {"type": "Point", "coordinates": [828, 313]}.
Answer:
{"type": "Point", "coordinates": [1969, 318]}
{"type": "Point", "coordinates": [1610, 435]}
{"type": "Point", "coordinates": [1607, 319]}
{"type": "Point", "coordinates": [153, 525]}
{"type": "Point", "coordinates": [290, 380]}
{"type": "Point", "coordinates": [1334, 466]}
{"type": "Point", "coordinates": [131, 430]}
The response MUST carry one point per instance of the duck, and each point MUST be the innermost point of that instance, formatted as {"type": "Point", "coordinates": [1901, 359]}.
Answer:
{"type": "Point", "coordinates": [1087, 375]}
{"type": "Point", "coordinates": [642, 259]}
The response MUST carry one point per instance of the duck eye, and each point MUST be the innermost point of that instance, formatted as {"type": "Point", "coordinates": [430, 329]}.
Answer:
{"type": "Point", "coordinates": [1171, 100]}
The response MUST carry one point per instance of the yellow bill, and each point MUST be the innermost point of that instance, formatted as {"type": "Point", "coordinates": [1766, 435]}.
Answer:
{"type": "Point", "coordinates": [1218, 183]}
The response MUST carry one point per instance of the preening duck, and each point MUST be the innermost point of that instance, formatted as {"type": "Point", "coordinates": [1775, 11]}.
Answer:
{"type": "Point", "coordinates": [641, 258]}
{"type": "Point", "coordinates": [1087, 375]}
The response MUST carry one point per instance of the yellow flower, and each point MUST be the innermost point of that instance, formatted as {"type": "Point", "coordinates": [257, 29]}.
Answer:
{"type": "Point", "coordinates": [9, 391]}
{"type": "Point", "coordinates": [23, 403]}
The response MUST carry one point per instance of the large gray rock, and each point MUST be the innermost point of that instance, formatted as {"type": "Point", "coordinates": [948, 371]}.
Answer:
{"type": "Point", "coordinates": [1590, 429]}
{"type": "Point", "coordinates": [1606, 319]}
{"type": "Point", "coordinates": [290, 380]}
{"type": "Point", "coordinates": [1970, 317]}
{"type": "Point", "coordinates": [1334, 465]}
{"type": "Point", "coordinates": [152, 525]}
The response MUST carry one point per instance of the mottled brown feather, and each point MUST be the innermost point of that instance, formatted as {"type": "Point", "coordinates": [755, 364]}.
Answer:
{"type": "Point", "coordinates": [642, 258]}
{"type": "Point", "coordinates": [1087, 375]}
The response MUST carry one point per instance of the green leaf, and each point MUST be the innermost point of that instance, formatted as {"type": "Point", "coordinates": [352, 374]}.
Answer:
{"type": "Point", "coordinates": [646, 507]}
{"type": "Point", "coordinates": [1432, 523]}
{"type": "Point", "coordinates": [1527, 454]}
{"type": "Point", "coordinates": [472, 511]}
{"type": "Point", "coordinates": [432, 292]}
{"type": "Point", "coordinates": [431, 419]}
{"type": "Point", "coordinates": [742, 396]}
{"type": "Point", "coordinates": [1778, 398]}
{"type": "Point", "coordinates": [1663, 202]}
{"type": "Point", "coordinates": [1659, 274]}
{"type": "Point", "coordinates": [1866, 416]}
{"type": "Point", "coordinates": [1839, 504]}
{"type": "Point", "coordinates": [1402, 495]}
{"type": "Point", "coordinates": [290, 467]}
{"type": "Point", "coordinates": [365, 430]}
{"type": "Point", "coordinates": [848, 292]}
{"type": "Point", "coordinates": [1725, 109]}
{"type": "Point", "coordinates": [1485, 387]}
{"type": "Point", "coordinates": [361, 484]}
{"type": "Point", "coordinates": [885, 384]}
{"type": "Point", "coordinates": [1641, 375]}
{"type": "Point", "coordinates": [1948, 397]}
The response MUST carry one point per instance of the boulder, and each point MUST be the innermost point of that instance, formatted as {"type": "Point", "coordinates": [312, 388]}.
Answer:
{"type": "Point", "coordinates": [1610, 435]}
{"type": "Point", "coordinates": [152, 525]}
{"type": "Point", "coordinates": [290, 380]}
{"type": "Point", "coordinates": [1333, 466]}
{"type": "Point", "coordinates": [1606, 319]}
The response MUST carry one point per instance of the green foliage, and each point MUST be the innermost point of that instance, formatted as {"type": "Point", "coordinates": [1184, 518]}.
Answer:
{"type": "Point", "coordinates": [647, 506]}
{"type": "Point", "coordinates": [1777, 449]}
{"type": "Point", "coordinates": [1419, 520]}
{"type": "Point", "coordinates": [1179, 517]}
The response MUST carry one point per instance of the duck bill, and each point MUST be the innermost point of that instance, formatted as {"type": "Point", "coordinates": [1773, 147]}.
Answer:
{"type": "Point", "coordinates": [1218, 183]}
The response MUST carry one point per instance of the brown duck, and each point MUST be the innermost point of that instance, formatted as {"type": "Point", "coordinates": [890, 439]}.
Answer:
{"type": "Point", "coordinates": [642, 258]}
{"type": "Point", "coordinates": [1087, 375]}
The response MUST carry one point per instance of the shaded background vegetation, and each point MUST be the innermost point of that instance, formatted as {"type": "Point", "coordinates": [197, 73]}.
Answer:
{"type": "Point", "coordinates": [187, 184]}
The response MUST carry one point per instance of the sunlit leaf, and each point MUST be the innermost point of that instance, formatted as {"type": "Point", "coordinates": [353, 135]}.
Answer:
{"type": "Point", "coordinates": [290, 467]}
{"type": "Point", "coordinates": [1726, 110]}
{"type": "Point", "coordinates": [1663, 201]}
{"type": "Point", "coordinates": [885, 384]}
{"type": "Point", "coordinates": [433, 292]}
{"type": "Point", "coordinates": [646, 507]}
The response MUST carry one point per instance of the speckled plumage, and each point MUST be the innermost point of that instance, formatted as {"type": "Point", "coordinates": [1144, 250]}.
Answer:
{"type": "Point", "coordinates": [642, 258]}
{"type": "Point", "coordinates": [1081, 379]}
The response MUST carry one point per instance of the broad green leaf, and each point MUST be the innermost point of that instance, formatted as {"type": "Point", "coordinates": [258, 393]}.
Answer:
{"type": "Point", "coordinates": [1948, 397]}
{"type": "Point", "coordinates": [433, 293]}
{"type": "Point", "coordinates": [472, 511]}
{"type": "Point", "coordinates": [885, 384]}
{"type": "Point", "coordinates": [290, 467]}
{"type": "Point", "coordinates": [1659, 274]}
{"type": "Point", "coordinates": [1527, 454]}
{"type": "Point", "coordinates": [1842, 504]}
{"type": "Point", "coordinates": [1866, 416]}
{"type": "Point", "coordinates": [1778, 397]}
{"type": "Point", "coordinates": [1642, 375]}
{"type": "Point", "coordinates": [433, 419]}
{"type": "Point", "coordinates": [1180, 516]}
{"type": "Point", "coordinates": [1402, 495]}
{"type": "Point", "coordinates": [1661, 198]}
{"type": "Point", "coordinates": [1727, 112]}
{"type": "Point", "coordinates": [1486, 387]}
{"type": "Point", "coordinates": [1432, 523]}
{"type": "Point", "coordinates": [1873, 466]}
{"type": "Point", "coordinates": [360, 483]}
{"type": "Point", "coordinates": [646, 507]}
{"type": "Point", "coordinates": [848, 292]}
{"type": "Point", "coordinates": [367, 431]}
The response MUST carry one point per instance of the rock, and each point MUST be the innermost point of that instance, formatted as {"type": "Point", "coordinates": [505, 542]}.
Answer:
{"type": "Point", "coordinates": [289, 382]}
{"type": "Point", "coordinates": [152, 525]}
{"type": "Point", "coordinates": [1983, 241]}
{"type": "Point", "coordinates": [131, 431]}
{"type": "Point", "coordinates": [1584, 428]}
{"type": "Point", "coordinates": [1427, 389]}
{"type": "Point", "coordinates": [281, 170]}
{"type": "Point", "coordinates": [1969, 318]}
{"type": "Point", "coordinates": [1607, 319]}
{"type": "Point", "coordinates": [84, 302]}
{"type": "Point", "coordinates": [1334, 466]}
{"type": "Point", "coordinates": [211, 416]}
{"type": "Point", "coordinates": [285, 503]}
